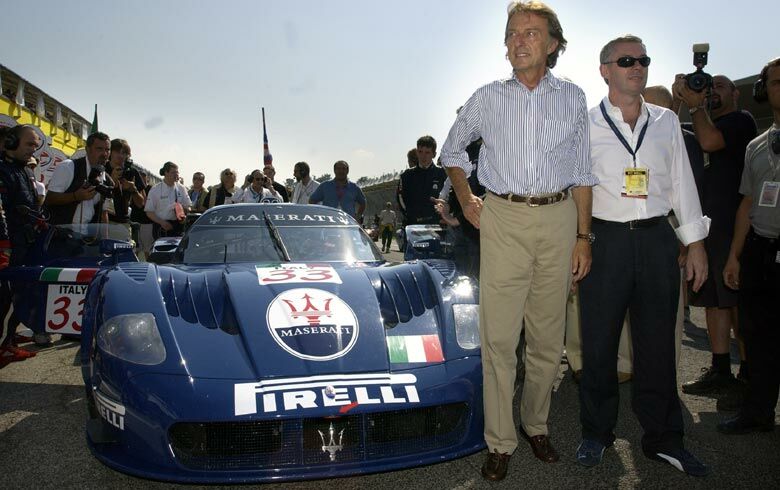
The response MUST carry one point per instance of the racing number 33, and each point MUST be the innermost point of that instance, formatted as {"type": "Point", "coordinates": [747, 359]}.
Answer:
{"type": "Point", "coordinates": [64, 309]}
{"type": "Point", "coordinates": [297, 273]}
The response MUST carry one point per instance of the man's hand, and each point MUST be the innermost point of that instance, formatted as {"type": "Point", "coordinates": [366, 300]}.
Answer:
{"type": "Point", "coordinates": [682, 258]}
{"type": "Point", "coordinates": [731, 273]}
{"type": "Point", "coordinates": [84, 193]}
{"type": "Point", "coordinates": [127, 185]}
{"type": "Point", "coordinates": [696, 265]}
{"type": "Point", "coordinates": [580, 260]}
{"type": "Point", "coordinates": [165, 225]}
{"type": "Point", "coordinates": [681, 91]}
{"type": "Point", "coordinates": [443, 208]}
{"type": "Point", "coordinates": [472, 208]}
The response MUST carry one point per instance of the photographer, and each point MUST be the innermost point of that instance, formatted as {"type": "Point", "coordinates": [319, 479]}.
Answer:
{"type": "Point", "coordinates": [261, 190]}
{"type": "Point", "coordinates": [723, 131]}
{"type": "Point", "coordinates": [127, 183]}
{"type": "Point", "coordinates": [168, 203]}
{"type": "Point", "coordinates": [76, 189]}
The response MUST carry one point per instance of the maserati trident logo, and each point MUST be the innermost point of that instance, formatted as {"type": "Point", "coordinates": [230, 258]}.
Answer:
{"type": "Point", "coordinates": [332, 447]}
{"type": "Point", "coordinates": [312, 324]}
{"type": "Point", "coordinates": [309, 311]}
{"type": "Point", "coordinates": [215, 219]}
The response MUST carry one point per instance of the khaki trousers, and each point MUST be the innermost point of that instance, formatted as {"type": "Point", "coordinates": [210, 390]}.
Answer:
{"type": "Point", "coordinates": [525, 266]}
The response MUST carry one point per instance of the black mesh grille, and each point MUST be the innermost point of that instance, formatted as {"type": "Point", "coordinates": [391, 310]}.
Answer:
{"type": "Point", "coordinates": [230, 445]}
{"type": "Point", "coordinates": [254, 445]}
{"type": "Point", "coordinates": [417, 430]}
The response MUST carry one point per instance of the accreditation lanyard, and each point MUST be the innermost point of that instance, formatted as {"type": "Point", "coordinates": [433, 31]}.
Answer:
{"type": "Point", "coordinates": [619, 135]}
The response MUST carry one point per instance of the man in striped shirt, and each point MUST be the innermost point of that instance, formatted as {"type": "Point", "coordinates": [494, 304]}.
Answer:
{"type": "Point", "coordinates": [535, 240]}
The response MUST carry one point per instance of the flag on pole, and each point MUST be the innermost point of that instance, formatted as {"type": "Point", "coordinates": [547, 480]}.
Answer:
{"type": "Point", "coordinates": [94, 127]}
{"type": "Point", "coordinates": [268, 159]}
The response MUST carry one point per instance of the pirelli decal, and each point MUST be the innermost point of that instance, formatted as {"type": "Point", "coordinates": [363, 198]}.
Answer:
{"type": "Point", "coordinates": [111, 411]}
{"type": "Point", "coordinates": [346, 391]}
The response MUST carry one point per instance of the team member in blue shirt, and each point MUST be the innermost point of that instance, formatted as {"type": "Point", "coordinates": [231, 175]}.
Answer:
{"type": "Point", "coordinates": [341, 193]}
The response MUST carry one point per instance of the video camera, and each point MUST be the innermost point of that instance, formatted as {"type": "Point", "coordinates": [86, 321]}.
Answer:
{"type": "Point", "coordinates": [127, 170]}
{"type": "Point", "coordinates": [699, 80]}
{"type": "Point", "coordinates": [94, 174]}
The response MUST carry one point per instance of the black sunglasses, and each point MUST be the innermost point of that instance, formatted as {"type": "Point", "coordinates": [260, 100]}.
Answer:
{"type": "Point", "coordinates": [628, 61]}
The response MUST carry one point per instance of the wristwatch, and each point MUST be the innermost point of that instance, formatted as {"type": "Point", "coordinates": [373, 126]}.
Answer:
{"type": "Point", "coordinates": [590, 237]}
{"type": "Point", "coordinates": [692, 110]}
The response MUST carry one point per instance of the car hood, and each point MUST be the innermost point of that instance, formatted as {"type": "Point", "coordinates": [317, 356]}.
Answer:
{"type": "Point", "coordinates": [295, 320]}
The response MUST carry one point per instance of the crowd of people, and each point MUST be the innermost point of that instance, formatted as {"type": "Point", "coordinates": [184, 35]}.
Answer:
{"type": "Point", "coordinates": [587, 228]}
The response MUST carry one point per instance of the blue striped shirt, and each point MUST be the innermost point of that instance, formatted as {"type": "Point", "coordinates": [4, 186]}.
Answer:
{"type": "Point", "coordinates": [534, 141]}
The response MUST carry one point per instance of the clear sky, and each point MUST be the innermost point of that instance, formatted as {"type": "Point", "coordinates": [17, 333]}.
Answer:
{"type": "Point", "coordinates": [357, 80]}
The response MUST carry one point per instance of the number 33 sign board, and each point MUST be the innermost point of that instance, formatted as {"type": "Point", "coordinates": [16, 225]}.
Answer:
{"type": "Point", "coordinates": [65, 302]}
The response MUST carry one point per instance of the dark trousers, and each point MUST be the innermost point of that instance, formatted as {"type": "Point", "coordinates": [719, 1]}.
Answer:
{"type": "Point", "coordinates": [634, 270]}
{"type": "Point", "coordinates": [387, 236]}
{"type": "Point", "coordinates": [759, 324]}
{"type": "Point", "coordinates": [8, 319]}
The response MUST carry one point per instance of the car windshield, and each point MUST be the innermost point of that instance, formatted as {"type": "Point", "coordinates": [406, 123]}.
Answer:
{"type": "Point", "coordinates": [216, 244]}
{"type": "Point", "coordinates": [83, 240]}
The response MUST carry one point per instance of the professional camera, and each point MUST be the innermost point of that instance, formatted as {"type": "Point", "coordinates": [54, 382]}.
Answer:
{"type": "Point", "coordinates": [699, 80]}
{"type": "Point", "coordinates": [127, 170]}
{"type": "Point", "coordinates": [101, 188]}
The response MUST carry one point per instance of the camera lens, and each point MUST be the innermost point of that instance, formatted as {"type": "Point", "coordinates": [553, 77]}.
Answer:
{"type": "Point", "coordinates": [697, 81]}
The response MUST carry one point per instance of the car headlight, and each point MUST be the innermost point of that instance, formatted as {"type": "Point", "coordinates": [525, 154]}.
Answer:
{"type": "Point", "coordinates": [466, 325]}
{"type": "Point", "coordinates": [133, 338]}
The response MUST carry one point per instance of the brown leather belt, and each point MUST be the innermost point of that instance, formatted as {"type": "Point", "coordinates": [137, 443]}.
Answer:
{"type": "Point", "coordinates": [534, 201]}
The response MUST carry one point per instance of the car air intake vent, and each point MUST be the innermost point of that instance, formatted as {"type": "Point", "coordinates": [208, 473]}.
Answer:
{"type": "Point", "coordinates": [445, 267]}
{"type": "Point", "coordinates": [404, 291]}
{"type": "Point", "coordinates": [136, 271]}
{"type": "Point", "coordinates": [198, 298]}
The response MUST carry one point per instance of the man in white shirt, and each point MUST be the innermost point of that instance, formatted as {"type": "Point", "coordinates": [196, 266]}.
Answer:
{"type": "Point", "coordinates": [72, 198]}
{"type": "Point", "coordinates": [386, 226]}
{"type": "Point", "coordinates": [40, 188]}
{"type": "Point", "coordinates": [639, 157]}
{"type": "Point", "coordinates": [304, 185]}
{"type": "Point", "coordinates": [167, 203]}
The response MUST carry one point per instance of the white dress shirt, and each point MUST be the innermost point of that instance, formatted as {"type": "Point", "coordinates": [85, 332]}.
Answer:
{"type": "Point", "coordinates": [265, 195]}
{"type": "Point", "coordinates": [670, 179]}
{"type": "Point", "coordinates": [162, 199]}
{"type": "Point", "coordinates": [535, 142]}
{"type": "Point", "coordinates": [302, 192]}
{"type": "Point", "coordinates": [61, 179]}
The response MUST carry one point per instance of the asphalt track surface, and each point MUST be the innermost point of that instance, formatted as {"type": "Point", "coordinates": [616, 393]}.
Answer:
{"type": "Point", "coordinates": [42, 445]}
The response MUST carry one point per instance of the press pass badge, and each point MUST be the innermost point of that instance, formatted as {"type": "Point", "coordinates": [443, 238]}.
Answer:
{"type": "Point", "coordinates": [635, 182]}
{"type": "Point", "coordinates": [769, 192]}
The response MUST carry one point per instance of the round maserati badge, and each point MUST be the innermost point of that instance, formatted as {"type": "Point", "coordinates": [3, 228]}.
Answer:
{"type": "Point", "coordinates": [312, 324]}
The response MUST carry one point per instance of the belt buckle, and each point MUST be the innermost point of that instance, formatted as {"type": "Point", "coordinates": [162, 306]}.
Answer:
{"type": "Point", "coordinates": [631, 224]}
{"type": "Point", "coordinates": [530, 203]}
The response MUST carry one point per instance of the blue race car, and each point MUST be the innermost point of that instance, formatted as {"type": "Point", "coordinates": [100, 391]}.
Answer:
{"type": "Point", "coordinates": [48, 292]}
{"type": "Point", "coordinates": [427, 242]}
{"type": "Point", "coordinates": [276, 344]}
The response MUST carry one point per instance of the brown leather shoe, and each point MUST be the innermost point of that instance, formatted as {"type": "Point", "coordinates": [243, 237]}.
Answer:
{"type": "Point", "coordinates": [543, 449]}
{"type": "Point", "coordinates": [495, 466]}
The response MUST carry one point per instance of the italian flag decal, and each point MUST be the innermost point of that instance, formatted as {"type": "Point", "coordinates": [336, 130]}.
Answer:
{"type": "Point", "coordinates": [414, 348]}
{"type": "Point", "coordinates": [54, 274]}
